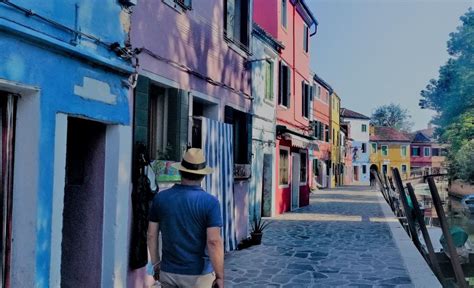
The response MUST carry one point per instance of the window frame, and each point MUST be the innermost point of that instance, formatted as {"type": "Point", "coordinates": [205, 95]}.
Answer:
{"type": "Point", "coordinates": [305, 103]}
{"type": "Point", "coordinates": [364, 127]}
{"type": "Point", "coordinates": [269, 81]}
{"type": "Point", "coordinates": [418, 149]}
{"type": "Point", "coordinates": [372, 149]}
{"type": "Point", "coordinates": [284, 14]}
{"type": "Point", "coordinates": [364, 169]}
{"type": "Point", "coordinates": [305, 38]}
{"type": "Point", "coordinates": [232, 40]}
{"type": "Point", "coordinates": [287, 151]}
{"type": "Point", "coordinates": [404, 155]}
{"type": "Point", "coordinates": [406, 168]}
{"type": "Point", "coordinates": [424, 152]}
{"type": "Point", "coordinates": [382, 148]}
{"type": "Point", "coordinates": [364, 151]}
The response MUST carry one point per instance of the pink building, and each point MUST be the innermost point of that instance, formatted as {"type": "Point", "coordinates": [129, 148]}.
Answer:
{"type": "Point", "coordinates": [291, 23]}
{"type": "Point", "coordinates": [193, 90]}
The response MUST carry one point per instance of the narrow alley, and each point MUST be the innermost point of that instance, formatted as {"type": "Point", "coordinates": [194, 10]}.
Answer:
{"type": "Point", "coordinates": [341, 239]}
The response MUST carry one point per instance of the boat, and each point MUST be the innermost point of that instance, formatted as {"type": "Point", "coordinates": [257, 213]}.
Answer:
{"type": "Point", "coordinates": [467, 203]}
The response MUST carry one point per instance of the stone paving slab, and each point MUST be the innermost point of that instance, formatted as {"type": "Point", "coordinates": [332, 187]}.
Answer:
{"type": "Point", "coordinates": [339, 240]}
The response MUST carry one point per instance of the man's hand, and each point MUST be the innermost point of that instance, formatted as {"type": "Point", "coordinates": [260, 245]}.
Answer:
{"type": "Point", "coordinates": [218, 283]}
{"type": "Point", "coordinates": [156, 271]}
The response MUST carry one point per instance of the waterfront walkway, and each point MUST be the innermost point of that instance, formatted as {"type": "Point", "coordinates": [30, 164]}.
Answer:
{"type": "Point", "coordinates": [341, 239]}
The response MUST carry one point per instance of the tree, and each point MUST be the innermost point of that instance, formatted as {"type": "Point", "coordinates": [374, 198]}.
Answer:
{"type": "Point", "coordinates": [452, 97]}
{"type": "Point", "coordinates": [392, 115]}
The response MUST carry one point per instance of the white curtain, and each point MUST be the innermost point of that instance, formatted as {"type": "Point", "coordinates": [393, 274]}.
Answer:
{"type": "Point", "coordinates": [218, 148]}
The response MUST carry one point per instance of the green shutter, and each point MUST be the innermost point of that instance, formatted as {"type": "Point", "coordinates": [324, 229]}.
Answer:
{"type": "Point", "coordinates": [177, 132]}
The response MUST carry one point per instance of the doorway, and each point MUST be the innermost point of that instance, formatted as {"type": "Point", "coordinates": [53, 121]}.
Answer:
{"type": "Point", "coordinates": [267, 185]}
{"type": "Point", "coordinates": [295, 180]}
{"type": "Point", "coordinates": [7, 140]}
{"type": "Point", "coordinates": [81, 247]}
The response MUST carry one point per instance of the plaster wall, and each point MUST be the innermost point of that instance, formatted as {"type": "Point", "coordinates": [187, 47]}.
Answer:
{"type": "Point", "coordinates": [196, 41]}
{"type": "Point", "coordinates": [56, 75]}
{"type": "Point", "coordinates": [356, 129]}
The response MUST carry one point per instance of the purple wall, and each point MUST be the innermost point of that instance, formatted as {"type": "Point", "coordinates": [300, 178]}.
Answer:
{"type": "Point", "coordinates": [81, 259]}
{"type": "Point", "coordinates": [194, 38]}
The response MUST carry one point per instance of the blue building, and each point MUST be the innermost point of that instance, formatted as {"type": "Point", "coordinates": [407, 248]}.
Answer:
{"type": "Point", "coordinates": [66, 143]}
{"type": "Point", "coordinates": [359, 124]}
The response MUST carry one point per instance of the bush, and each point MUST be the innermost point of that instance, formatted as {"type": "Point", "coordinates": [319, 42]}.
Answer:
{"type": "Point", "coordinates": [464, 161]}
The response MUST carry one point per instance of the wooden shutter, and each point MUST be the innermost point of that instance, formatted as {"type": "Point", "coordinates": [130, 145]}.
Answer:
{"type": "Point", "coordinates": [229, 16]}
{"type": "Point", "coordinates": [288, 86]}
{"type": "Point", "coordinates": [280, 83]}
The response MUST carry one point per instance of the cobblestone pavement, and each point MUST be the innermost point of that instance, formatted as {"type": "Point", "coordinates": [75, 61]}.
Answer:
{"type": "Point", "coordinates": [340, 239]}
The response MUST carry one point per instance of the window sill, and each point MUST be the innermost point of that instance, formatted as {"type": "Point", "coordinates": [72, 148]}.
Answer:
{"type": "Point", "coordinates": [283, 107]}
{"type": "Point", "coordinates": [269, 102]}
{"type": "Point", "coordinates": [245, 53]}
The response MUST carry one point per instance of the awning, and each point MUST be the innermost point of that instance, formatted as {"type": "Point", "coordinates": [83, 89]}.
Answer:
{"type": "Point", "coordinates": [297, 139]}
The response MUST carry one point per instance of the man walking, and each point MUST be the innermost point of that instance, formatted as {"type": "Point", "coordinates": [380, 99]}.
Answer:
{"type": "Point", "coordinates": [190, 221]}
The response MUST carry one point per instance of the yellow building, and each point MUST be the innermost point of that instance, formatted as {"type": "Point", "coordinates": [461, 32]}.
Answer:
{"type": "Point", "coordinates": [389, 148]}
{"type": "Point", "coordinates": [336, 157]}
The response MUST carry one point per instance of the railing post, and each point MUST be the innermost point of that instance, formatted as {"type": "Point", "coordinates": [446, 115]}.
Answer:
{"type": "Point", "coordinates": [461, 281]}
{"type": "Point", "coordinates": [406, 208]}
{"type": "Point", "coordinates": [421, 221]}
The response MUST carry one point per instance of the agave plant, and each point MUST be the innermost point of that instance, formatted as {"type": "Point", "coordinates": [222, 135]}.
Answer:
{"type": "Point", "coordinates": [258, 225]}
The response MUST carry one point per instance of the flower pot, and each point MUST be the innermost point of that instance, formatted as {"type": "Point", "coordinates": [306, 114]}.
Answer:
{"type": "Point", "coordinates": [256, 238]}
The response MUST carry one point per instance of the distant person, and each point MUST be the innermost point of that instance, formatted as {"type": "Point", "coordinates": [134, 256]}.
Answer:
{"type": "Point", "coordinates": [190, 222]}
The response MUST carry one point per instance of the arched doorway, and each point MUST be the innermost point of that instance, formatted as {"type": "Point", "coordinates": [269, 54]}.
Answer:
{"type": "Point", "coordinates": [373, 170]}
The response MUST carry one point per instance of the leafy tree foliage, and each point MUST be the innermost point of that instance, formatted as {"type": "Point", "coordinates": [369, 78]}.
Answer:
{"type": "Point", "coordinates": [392, 115]}
{"type": "Point", "coordinates": [452, 96]}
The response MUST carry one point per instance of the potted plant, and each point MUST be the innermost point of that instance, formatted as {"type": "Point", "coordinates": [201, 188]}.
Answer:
{"type": "Point", "coordinates": [258, 225]}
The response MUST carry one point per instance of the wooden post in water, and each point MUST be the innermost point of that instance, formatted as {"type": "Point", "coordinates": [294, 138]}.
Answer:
{"type": "Point", "coordinates": [461, 281]}
{"type": "Point", "coordinates": [426, 236]}
{"type": "Point", "coordinates": [406, 208]}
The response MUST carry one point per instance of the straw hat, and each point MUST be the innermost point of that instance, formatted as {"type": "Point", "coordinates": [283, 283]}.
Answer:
{"type": "Point", "coordinates": [193, 162]}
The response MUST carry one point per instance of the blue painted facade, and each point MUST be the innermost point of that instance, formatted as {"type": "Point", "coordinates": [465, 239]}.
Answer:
{"type": "Point", "coordinates": [54, 59]}
{"type": "Point", "coordinates": [360, 159]}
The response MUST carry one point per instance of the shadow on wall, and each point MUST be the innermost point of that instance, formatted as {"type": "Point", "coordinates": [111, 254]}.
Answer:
{"type": "Point", "coordinates": [196, 39]}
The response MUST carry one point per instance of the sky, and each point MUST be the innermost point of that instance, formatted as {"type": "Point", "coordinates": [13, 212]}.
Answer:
{"type": "Point", "coordinates": [377, 52]}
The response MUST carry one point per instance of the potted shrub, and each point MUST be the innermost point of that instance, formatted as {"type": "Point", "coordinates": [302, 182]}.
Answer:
{"type": "Point", "coordinates": [258, 225]}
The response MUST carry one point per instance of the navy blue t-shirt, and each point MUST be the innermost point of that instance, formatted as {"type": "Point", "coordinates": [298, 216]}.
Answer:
{"type": "Point", "coordinates": [184, 213]}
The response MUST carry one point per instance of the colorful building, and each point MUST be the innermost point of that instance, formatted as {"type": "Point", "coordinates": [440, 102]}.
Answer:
{"type": "Point", "coordinates": [64, 96]}
{"type": "Point", "coordinates": [194, 90]}
{"type": "Point", "coordinates": [292, 24]}
{"type": "Point", "coordinates": [346, 152]}
{"type": "Point", "coordinates": [265, 51]}
{"type": "Point", "coordinates": [389, 148]}
{"type": "Point", "coordinates": [337, 159]}
{"type": "Point", "coordinates": [360, 145]}
{"type": "Point", "coordinates": [321, 157]}
{"type": "Point", "coordinates": [427, 155]}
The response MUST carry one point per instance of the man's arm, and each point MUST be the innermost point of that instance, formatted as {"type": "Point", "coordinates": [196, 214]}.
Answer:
{"type": "Point", "coordinates": [153, 246]}
{"type": "Point", "coordinates": [215, 247]}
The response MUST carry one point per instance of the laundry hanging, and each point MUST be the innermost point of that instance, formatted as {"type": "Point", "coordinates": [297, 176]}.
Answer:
{"type": "Point", "coordinates": [218, 148]}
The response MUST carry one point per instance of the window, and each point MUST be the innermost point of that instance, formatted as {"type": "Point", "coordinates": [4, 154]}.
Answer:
{"type": "Point", "coordinates": [236, 21]}
{"type": "Point", "coordinates": [364, 169]}
{"type": "Point", "coordinates": [242, 134]}
{"type": "Point", "coordinates": [326, 132]}
{"type": "Point", "coordinates": [318, 130]}
{"type": "Point", "coordinates": [435, 152]}
{"type": "Point", "coordinates": [284, 94]}
{"type": "Point", "coordinates": [268, 68]}
{"type": "Point", "coordinates": [404, 151]}
{"type": "Point", "coordinates": [305, 38]}
{"type": "Point", "coordinates": [159, 146]}
{"type": "Point", "coordinates": [318, 91]}
{"type": "Point", "coordinates": [426, 152]}
{"type": "Point", "coordinates": [384, 150]}
{"type": "Point", "coordinates": [415, 151]}
{"type": "Point", "coordinates": [364, 148]}
{"type": "Point", "coordinates": [283, 167]}
{"type": "Point", "coordinates": [404, 169]}
{"type": "Point", "coordinates": [306, 91]}
{"type": "Point", "coordinates": [374, 148]}
{"type": "Point", "coordinates": [364, 128]}
{"type": "Point", "coordinates": [284, 10]}
{"type": "Point", "coordinates": [303, 167]}
{"type": "Point", "coordinates": [334, 137]}
{"type": "Point", "coordinates": [385, 168]}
